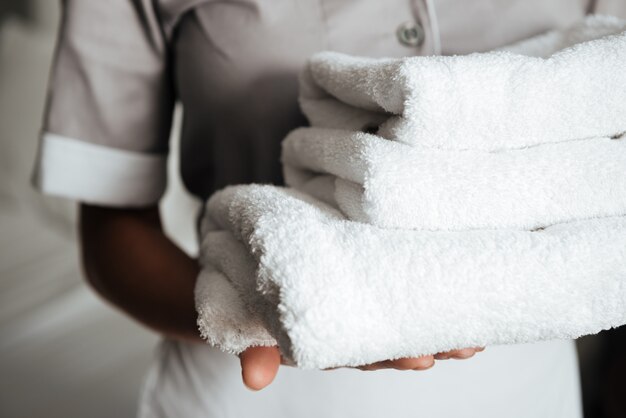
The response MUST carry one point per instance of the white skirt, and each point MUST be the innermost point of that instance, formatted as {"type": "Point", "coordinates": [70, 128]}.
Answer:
{"type": "Point", "coordinates": [525, 381]}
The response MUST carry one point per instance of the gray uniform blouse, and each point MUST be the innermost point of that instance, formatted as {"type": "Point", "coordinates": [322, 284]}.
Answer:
{"type": "Point", "coordinates": [120, 66]}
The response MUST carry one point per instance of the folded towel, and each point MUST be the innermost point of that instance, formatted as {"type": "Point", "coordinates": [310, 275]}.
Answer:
{"type": "Point", "coordinates": [390, 184]}
{"type": "Point", "coordinates": [340, 293]}
{"type": "Point", "coordinates": [489, 101]}
{"type": "Point", "coordinates": [223, 318]}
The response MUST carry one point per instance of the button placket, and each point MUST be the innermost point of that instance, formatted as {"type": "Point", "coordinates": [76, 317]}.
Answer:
{"type": "Point", "coordinates": [422, 32]}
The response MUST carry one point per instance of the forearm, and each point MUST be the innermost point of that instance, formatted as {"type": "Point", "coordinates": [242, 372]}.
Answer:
{"type": "Point", "coordinates": [131, 263]}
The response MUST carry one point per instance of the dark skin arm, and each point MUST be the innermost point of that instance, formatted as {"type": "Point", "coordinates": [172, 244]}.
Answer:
{"type": "Point", "coordinates": [130, 262]}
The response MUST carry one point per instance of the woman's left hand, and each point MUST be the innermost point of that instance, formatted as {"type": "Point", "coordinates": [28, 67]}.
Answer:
{"type": "Point", "coordinates": [259, 365]}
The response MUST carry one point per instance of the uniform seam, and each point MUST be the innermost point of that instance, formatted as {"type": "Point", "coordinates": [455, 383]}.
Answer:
{"type": "Point", "coordinates": [324, 17]}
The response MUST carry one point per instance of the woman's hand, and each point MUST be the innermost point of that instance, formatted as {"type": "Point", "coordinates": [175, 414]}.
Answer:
{"type": "Point", "coordinates": [259, 365]}
{"type": "Point", "coordinates": [134, 265]}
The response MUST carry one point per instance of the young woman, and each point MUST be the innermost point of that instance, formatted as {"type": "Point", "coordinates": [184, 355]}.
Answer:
{"type": "Point", "coordinates": [119, 68]}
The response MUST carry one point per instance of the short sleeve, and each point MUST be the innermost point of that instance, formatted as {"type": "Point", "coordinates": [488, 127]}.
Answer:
{"type": "Point", "coordinates": [109, 106]}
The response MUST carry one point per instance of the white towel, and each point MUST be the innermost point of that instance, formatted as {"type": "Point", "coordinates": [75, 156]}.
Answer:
{"type": "Point", "coordinates": [488, 101]}
{"type": "Point", "coordinates": [390, 184]}
{"type": "Point", "coordinates": [223, 318]}
{"type": "Point", "coordinates": [342, 293]}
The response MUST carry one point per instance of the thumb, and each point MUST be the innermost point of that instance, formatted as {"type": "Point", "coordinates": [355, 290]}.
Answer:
{"type": "Point", "coordinates": [259, 366]}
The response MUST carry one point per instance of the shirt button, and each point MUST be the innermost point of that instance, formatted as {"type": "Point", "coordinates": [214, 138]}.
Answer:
{"type": "Point", "coordinates": [410, 34]}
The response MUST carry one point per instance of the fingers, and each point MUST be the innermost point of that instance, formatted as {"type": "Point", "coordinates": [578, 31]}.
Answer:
{"type": "Point", "coordinates": [423, 362]}
{"type": "Point", "coordinates": [461, 354]}
{"type": "Point", "coordinates": [413, 363]}
{"type": "Point", "coordinates": [259, 366]}
{"type": "Point", "coordinates": [416, 363]}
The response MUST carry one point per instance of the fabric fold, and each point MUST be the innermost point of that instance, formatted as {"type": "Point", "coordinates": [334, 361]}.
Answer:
{"type": "Point", "coordinates": [389, 184]}
{"type": "Point", "coordinates": [362, 294]}
{"type": "Point", "coordinates": [487, 101]}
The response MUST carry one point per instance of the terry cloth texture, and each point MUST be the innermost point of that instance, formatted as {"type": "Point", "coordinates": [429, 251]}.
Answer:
{"type": "Point", "coordinates": [488, 101]}
{"type": "Point", "coordinates": [408, 183]}
{"type": "Point", "coordinates": [337, 293]}
{"type": "Point", "coordinates": [487, 207]}
{"type": "Point", "coordinates": [390, 184]}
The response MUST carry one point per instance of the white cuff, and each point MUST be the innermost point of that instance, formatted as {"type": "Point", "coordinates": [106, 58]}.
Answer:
{"type": "Point", "coordinates": [97, 174]}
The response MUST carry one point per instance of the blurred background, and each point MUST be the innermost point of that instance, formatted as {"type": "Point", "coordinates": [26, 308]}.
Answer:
{"type": "Point", "coordinates": [64, 352]}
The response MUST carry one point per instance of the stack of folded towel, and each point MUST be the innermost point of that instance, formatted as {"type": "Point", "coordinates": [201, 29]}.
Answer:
{"type": "Point", "coordinates": [435, 203]}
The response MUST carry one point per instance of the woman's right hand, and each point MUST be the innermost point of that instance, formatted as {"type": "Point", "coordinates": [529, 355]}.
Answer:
{"type": "Point", "coordinates": [130, 261]}
{"type": "Point", "coordinates": [259, 365]}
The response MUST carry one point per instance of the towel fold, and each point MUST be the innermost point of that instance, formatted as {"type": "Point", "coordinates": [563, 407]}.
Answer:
{"type": "Point", "coordinates": [340, 293]}
{"type": "Point", "coordinates": [390, 184]}
{"type": "Point", "coordinates": [489, 101]}
{"type": "Point", "coordinates": [223, 318]}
